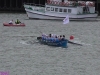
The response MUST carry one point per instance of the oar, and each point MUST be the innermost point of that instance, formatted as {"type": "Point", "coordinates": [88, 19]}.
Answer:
{"type": "Point", "coordinates": [74, 43]}
{"type": "Point", "coordinates": [21, 36]}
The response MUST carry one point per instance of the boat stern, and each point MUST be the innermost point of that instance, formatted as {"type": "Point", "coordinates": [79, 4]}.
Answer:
{"type": "Point", "coordinates": [64, 44]}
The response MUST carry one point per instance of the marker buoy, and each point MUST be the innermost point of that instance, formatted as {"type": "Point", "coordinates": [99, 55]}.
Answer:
{"type": "Point", "coordinates": [71, 37]}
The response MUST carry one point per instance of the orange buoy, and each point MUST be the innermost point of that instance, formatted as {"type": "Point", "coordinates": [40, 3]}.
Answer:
{"type": "Point", "coordinates": [71, 37]}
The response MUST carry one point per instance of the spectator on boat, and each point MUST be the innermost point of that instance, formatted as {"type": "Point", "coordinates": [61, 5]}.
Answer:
{"type": "Point", "coordinates": [11, 22]}
{"type": "Point", "coordinates": [17, 21]}
{"type": "Point", "coordinates": [44, 35]}
{"type": "Point", "coordinates": [56, 39]}
{"type": "Point", "coordinates": [60, 37]}
{"type": "Point", "coordinates": [57, 36]}
{"type": "Point", "coordinates": [53, 35]}
{"type": "Point", "coordinates": [63, 37]}
{"type": "Point", "coordinates": [51, 38]}
{"type": "Point", "coordinates": [50, 35]}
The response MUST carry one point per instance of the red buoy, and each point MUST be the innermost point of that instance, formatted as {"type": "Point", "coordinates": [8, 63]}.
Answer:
{"type": "Point", "coordinates": [71, 37]}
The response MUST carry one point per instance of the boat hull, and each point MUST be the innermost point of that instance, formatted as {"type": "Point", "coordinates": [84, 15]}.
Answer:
{"type": "Point", "coordinates": [62, 43]}
{"type": "Point", "coordinates": [17, 25]}
{"type": "Point", "coordinates": [36, 15]}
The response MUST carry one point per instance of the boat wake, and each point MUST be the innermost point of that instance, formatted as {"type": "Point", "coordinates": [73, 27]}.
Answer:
{"type": "Point", "coordinates": [24, 42]}
{"type": "Point", "coordinates": [28, 42]}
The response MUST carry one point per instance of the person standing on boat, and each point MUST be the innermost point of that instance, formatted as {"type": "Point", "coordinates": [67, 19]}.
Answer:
{"type": "Point", "coordinates": [11, 22]}
{"type": "Point", "coordinates": [17, 21]}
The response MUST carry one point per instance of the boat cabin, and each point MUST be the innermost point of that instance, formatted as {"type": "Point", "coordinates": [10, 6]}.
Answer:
{"type": "Point", "coordinates": [70, 7]}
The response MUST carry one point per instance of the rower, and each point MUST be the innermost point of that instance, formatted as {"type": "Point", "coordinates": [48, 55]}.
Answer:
{"type": "Point", "coordinates": [17, 21]}
{"type": "Point", "coordinates": [11, 22]}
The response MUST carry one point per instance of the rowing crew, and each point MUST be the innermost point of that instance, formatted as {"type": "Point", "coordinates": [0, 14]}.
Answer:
{"type": "Point", "coordinates": [53, 37]}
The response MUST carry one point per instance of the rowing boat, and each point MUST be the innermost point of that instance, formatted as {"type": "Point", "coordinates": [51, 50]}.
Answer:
{"type": "Point", "coordinates": [56, 43]}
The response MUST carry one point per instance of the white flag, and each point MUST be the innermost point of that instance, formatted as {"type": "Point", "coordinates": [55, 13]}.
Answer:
{"type": "Point", "coordinates": [66, 20]}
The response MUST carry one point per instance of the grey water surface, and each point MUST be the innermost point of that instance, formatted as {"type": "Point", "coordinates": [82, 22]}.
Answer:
{"type": "Point", "coordinates": [21, 55]}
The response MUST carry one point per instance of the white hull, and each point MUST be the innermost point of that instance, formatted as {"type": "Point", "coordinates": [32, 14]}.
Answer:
{"type": "Point", "coordinates": [36, 15]}
{"type": "Point", "coordinates": [53, 12]}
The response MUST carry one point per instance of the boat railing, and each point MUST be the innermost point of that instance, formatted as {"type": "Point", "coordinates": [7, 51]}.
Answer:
{"type": "Point", "coordinates": [71, 3]}
{"type": "Point", "coordinates": [33, 4]}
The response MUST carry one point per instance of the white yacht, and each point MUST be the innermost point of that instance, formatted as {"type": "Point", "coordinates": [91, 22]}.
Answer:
{"type": "Point", "coordinates": [59, 9]}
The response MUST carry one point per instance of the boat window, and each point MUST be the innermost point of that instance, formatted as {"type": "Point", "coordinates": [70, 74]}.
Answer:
{"type": "Point", "coordinates": [60, 10]}
{"type": "Point", "coordinates": [69, 10]}
{"type": "Point", "coordinates": [52, 9]}
{"type": "Point", "coordinates": [48, 8]}
{"type": "Point", "coordinates": [56, 9]}
{"type": "Point", "coordinates": [65, 10]}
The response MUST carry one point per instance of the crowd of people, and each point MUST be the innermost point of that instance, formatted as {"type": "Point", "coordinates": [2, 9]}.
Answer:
{"type": "Point", "coordinates": [52, 37]}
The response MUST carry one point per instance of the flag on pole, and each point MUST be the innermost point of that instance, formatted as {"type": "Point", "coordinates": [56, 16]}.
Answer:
{"type": "Point", "coordinates": [66, 20]}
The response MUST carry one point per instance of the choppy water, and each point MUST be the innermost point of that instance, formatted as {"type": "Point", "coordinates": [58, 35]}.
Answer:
{"type": "Point", "coordinates": [20, 55]}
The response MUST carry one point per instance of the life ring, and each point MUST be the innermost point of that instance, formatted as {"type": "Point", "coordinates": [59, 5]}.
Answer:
{"type": "Point", "coordinates": [83, 4]}
{"type": "Point", "coordinates": [91, 4]}
{"type": "Point", "coordinates": [67, 4]}
{"type": "Point", "coordinates": [56, 2]}
{"type": "Point", "coordinates": [48, 1]}
{"type": "Point", "coordinates": [60, 3]}
{"type": "Point", "coordinates": [74, 4]}
{"type": "Point", "coordinates": [80, 3]}
{"type": "Point", "coordinates": [51, 2]}
{"type": "Point", "coordinates": [63, 3]}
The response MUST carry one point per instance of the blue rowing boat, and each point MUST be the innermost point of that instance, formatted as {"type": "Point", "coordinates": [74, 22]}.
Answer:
{"type": "Point", "coordinates": [57, 43]}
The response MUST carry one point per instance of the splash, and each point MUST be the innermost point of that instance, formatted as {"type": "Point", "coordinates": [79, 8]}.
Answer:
{"type": "Point", "coordinates": [24, 42]}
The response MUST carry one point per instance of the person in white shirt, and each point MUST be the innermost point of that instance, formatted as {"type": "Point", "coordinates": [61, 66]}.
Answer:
{"type": "Point", "coordinates": [11, 22]}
